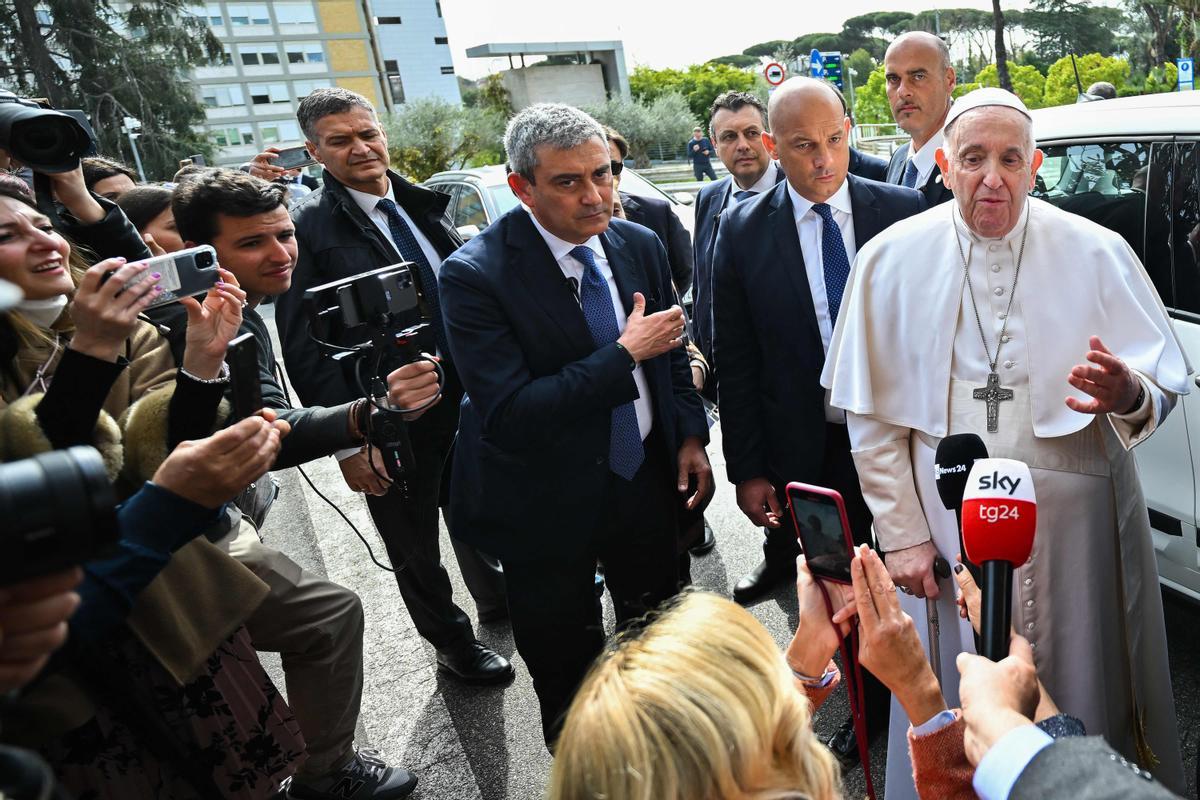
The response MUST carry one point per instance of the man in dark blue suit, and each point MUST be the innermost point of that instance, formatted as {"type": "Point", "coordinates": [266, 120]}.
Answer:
{"type": "Point", "coordinates": [779, 269]}
{"type": "Point", "coordinates": [580, 426]}
{"type": "Point", "coordinates": [920, 83]}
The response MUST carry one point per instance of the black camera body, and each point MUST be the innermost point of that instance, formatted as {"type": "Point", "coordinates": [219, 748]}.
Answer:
{"type": "Point", "coordinates": [59, 510]}
{"type": "Point", "coordinates": [43, 139]}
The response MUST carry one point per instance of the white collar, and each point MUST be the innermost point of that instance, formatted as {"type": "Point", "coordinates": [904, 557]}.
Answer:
{"type": "Point", "coordinates": [368, 202]}
{"type": "Point", "coordinates": [764, 183]}
{"type": "Point", "coordinates": [561, 248]}
{"type": "Point", "coordinates": [840, 201]}
{"type": "Point", "coordinates": [924, 158]}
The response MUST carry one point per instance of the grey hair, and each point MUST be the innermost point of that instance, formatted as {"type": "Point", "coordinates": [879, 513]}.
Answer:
{"type": "Point", "coordinates": [928, 38]}
{"type": "Point", "coordinates": [1029, 145]}
{"type": "Point", "coordinates": [560, 126]}
{"type": "Point", "coordinates": [320, 103]}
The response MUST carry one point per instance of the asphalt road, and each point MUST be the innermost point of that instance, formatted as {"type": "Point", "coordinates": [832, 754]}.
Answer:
{"type": "Point", "coordinates": [486, 743]}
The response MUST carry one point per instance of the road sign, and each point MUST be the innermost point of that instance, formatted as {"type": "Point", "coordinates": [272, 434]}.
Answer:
{"type": "Point", "coordinates": [816, 64]}
{"type": "Point", "coordinates": [1187, 75]}
{"type": "Point", "coordinates": [833, 69]}
{"type": "Point", "coordinates": [774, 73]}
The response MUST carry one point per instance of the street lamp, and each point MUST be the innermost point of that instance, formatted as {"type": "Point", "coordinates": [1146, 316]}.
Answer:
{"type": "Point", "coordinates": [133, 128]}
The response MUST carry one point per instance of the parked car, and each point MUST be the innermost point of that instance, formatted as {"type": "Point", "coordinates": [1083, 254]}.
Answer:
{"type": "Point", "coordinates": [481, 194]}
{"type": "Point", "coordinates": [1133, 165]}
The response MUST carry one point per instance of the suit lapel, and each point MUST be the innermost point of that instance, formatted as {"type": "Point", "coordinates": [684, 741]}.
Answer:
{"type": "Point", "coordinates": [782, 222]}
{"type": "Point", "coordinates": [547, 284]}
{"type": "Point", "coordinates": [629, 275]}
{"type": "Point", "coordinates": [895, 173]}
{"type": "Point", "coordinates": [865, 209]}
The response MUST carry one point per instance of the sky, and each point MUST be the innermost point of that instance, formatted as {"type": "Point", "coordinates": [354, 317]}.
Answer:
{"type": "Point", "coordinates": [657, 33]}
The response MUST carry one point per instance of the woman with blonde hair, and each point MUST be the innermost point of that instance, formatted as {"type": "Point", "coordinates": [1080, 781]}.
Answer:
{"type": "Point", "coordinates": [700, 704]}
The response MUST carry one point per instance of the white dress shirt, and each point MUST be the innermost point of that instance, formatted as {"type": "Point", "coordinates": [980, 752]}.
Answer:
{"type": "Point", "coordinates": [809, 227]}
{"type": "Point", "coordinates": [924, 159]}
{"type": "Point", "coordinates": [571, 268]}
{"type": "Point", "coordinates": [369, 203]}
{"type": "Point", "coordinates": [764, 184]}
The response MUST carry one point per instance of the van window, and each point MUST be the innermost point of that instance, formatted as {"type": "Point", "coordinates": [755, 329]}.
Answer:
{"type": "Point", "coordinates": [1185, 226]}
{"type": "Point", "coordinates": [1109, 183]}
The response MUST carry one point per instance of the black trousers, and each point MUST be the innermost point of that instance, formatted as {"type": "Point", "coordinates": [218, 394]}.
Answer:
{"type": "Point", "coordinates": [552, 602]}
{"type": "Point", "coordinates": [409, 528]}
{"type": "Point", "coordinates": [781, 546]}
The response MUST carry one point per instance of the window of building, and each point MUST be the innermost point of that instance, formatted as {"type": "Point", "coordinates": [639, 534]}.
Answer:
{"type": "Point", "coordinates": [295, 14]}
{"type": "Point", "coordinates": [305, 53]}
{"type": "Point", "coordinates": [226, 57]}
{"type": "Point", "coordinates": [231, 137]}
{"type": "Point", "coordinates": [266, 93]}
{"type": "Point", "coordinates": [212, 12]}
{"type": "Point", "coordinates": [276, 132]}
{"type": "Point", "coordinates": [222, 95]}
{"type": "Point", "coordinates": [387, 21]}
{"type": "Point", "coordinates": [259, 54]}
{"type": "Point", "coordinates": [304, 88]}
{"type": "Point", "coordinates": [447, 70]}
{"type": "Point", "coordinates": [438, 4]}
{"type": "Point", "coordinates": [256, 14]}
{"type": "Point", "coordinates": [441, 40]}
{"type": "Point", "coordinates": [395, 85]}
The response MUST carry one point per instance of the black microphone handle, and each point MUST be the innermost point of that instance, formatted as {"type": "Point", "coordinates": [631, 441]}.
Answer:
{"type": "Point", "coordinates": [996, 609]}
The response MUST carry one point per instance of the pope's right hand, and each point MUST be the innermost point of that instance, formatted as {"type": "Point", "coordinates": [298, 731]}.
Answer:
{"type": "Point", "coordinates": [912, 569]}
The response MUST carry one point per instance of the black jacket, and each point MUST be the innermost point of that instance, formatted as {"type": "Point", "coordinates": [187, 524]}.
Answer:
{"type": "Point", "coordinates": [112, 236]}
{"type": "Point", "coordinates": [867, 166]}
{"type": "Point", "coordinates": [934, 190]}
{"type": "Point", "coordinates": [768, 343]}
{"type": "Point", "coordinates": [658, 216]}
{"type": "Point", "coordinates": [337, 240]}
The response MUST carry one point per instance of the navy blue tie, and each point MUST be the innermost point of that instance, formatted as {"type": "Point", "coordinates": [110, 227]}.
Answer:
{"type": "Point", "coordinates": [744, 194]}
{"type": "Point", "coordinates": [910, 175]}
{"type": "Point", "coordinates": [834, 260]}
{"type": "Point", "coordinates": [410, 250]}
{"type": "Point", "coordinates": [625, 451]}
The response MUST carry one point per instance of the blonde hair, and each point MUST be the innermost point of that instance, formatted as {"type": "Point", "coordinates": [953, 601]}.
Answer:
{"type": "Point", "coordinates": [697, 706]}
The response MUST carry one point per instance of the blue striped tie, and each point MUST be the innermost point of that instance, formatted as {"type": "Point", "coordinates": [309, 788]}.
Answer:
{"type": "Point", "coordinates": [410, 250]}
{"type": "Point", "coordinates": [910, 175]}
{"type": "Point", "coordinates": [625, 450]}
{"type": "Point", "coordinates": [834, 260]}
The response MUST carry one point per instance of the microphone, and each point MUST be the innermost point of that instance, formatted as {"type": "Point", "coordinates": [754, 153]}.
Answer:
{"type": "Point", "coordinates": [999, 517]}
{"type": "Point", "coordinates": [952, 464]}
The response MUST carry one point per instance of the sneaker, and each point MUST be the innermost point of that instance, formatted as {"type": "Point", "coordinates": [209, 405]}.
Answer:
{"type": "Point", "coordinates": [364, 777]}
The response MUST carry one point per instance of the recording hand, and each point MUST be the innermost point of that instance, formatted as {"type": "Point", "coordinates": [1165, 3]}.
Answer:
{"type": "Point", "coordinates": [413, 385]}
{"type": "Point", "coordinates": [996, 696]}
{"type": "Point", "coordinates": [105, 311]}
{"type": "Point", "coordinates": [72, 192]}
{"type": "Point", "coordinates": [213, 470]}
{"type": "Point", "coordinates": [33, 624]}
{"type": "Point", "coordinates": [368, 477]}
{"type": "Point", "coordinates": [261, 165]}
{"type": "Point", "coordinates": [817, 637]}
{"type": "Point", "coordinates": [648, 336]}
{"type": "Point", "coordinates": [212, 325]}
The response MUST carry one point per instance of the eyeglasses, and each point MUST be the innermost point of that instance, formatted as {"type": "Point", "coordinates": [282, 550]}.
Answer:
{"type": "Point", "coordinates": [616, 166]}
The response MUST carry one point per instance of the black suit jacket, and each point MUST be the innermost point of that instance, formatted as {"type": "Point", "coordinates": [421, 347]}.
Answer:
{"type": "Point", "coordinates": [768, 343]}
{"type": "Point", "coordinates": [658, 216]}
{"type": "Point", "coordinates": [934, 190]}
{"type": "Point", "coordinates": [1085, 769]}
{"type": "Point", "coordinates": [531, 463]}
{"type": "Point", "coordinates": [867, 166]}
{"type": "Point", "coordinates": [710, 202]}
{"type": "Point", "coordinates": [337, 240]}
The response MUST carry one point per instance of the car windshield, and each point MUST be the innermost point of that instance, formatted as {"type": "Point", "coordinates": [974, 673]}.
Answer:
{"type": "Point", "coordinates": [503, 198]}
{"type": "Point", "coordinates": [632, 183]}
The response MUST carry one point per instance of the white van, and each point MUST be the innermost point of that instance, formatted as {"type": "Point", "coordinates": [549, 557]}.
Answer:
{"type": "Point", "coordinates": [1133, 165]}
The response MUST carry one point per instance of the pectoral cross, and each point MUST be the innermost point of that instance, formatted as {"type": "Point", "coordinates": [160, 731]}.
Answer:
{"type": "Point", "coordinates": [993, 395]}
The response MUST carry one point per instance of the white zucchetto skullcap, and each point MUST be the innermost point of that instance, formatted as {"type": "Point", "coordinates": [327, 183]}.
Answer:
{"type": "Point", "coordinates": [987, 96]}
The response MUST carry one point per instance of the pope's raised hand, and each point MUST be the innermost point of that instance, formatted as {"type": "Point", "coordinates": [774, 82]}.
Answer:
{"type": "Point", "coordinates": [1113, 387]}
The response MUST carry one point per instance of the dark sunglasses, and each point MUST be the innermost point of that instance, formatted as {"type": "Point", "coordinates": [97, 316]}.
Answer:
{"type": "Point", "coordinates": [616, 166]}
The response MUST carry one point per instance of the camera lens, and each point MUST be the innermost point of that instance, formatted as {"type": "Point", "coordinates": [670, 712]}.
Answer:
{"type": "Point", "coordinates": [204, 259]}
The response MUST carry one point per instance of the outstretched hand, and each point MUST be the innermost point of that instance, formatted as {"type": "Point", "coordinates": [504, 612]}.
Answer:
{"type": "Point", "coordinates": [1112, 385]}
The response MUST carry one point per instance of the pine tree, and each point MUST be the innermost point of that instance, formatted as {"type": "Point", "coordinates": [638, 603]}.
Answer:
{"type": "Point", "coordinates": [114, 60]}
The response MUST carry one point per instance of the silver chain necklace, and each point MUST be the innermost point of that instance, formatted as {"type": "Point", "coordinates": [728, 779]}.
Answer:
{"type": "Point", "coordinates": [992, 394]}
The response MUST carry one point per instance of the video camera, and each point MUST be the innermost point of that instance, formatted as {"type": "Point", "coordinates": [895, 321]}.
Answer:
{"type": "Point", "coordinates": [373, 305]}
{"type": "Point", "coordinates": [59, 510]}
{"type": "Point", "coordinates": [41, 138]}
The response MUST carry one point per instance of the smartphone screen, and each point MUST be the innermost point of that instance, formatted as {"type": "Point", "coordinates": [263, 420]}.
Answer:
{"type": "Point", "coordinates": [823, 536]}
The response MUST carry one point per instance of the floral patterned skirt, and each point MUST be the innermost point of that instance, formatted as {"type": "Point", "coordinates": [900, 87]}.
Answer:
{"type": "Point", "coordinates": [235, 728]}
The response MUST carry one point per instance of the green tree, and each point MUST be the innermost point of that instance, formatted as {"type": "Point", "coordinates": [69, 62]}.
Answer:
{"type": "Point", "coordinates": [699, 84]}
{"type": "Point", "coordinates": [870, 100]}
{"type": "Point", "coordinates": [431, 135]}
{"type": "Point", "coordinates": [668, 119]}
{"type": "Point", "coordinates": [1062, 27]}
{"type": "Point", "coordinates": [963, 88]}
{"type": "Point", "coordinates": [1163, 78]}
{"type": "Point", "coordinates": [863, 65]}
{"type": "Point", "coordinates": [493, 96]}
{"type": "Point", "coordinates": [1061, 88]}
{"type": "Point", "coordinates": [1028, 83]}
{"type": "Point", "coordinates": [765, 48]}
{"type": "Point", "coordinates": [739, 60]}
{"type": "Point", "coordinates": [114, 60]}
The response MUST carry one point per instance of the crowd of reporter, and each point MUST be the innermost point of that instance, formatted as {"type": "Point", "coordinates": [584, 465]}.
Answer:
{"type": "Point", "coordinates": [136, 674]}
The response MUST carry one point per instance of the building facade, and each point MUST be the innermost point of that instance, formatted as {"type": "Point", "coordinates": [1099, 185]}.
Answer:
{"type": "Point", "coordinates": [276, 52]}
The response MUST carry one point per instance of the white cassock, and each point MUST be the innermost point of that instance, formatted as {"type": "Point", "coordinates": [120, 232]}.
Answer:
{"type": "Point", "coordinates": [904, 361]}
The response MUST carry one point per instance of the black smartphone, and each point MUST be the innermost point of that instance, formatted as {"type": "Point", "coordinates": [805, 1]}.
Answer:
{"type": "Point", "coordinates": [242, 357]}
{"type": "Point", "coordinates": [824, 530]}
{"type": "Point", "coordinates": [293, 158]}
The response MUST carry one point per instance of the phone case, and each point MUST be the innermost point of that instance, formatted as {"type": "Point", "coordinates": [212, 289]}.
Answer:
{"type": "Point", "coordinates": [797, 489]}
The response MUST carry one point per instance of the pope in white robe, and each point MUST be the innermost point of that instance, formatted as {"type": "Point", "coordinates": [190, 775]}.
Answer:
{"type": "Point", "coordinates": [1081, 338]}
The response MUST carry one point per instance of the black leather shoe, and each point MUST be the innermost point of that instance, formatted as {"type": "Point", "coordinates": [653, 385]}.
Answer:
{"type": "Point", "coordinates": [760, 581]}
{"type": "Point", "coordinates": [844, 745]}
{"type": "Point", "coordinates": [705, 544]}
{"type": "Point", "coordinates": [475, 665]}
